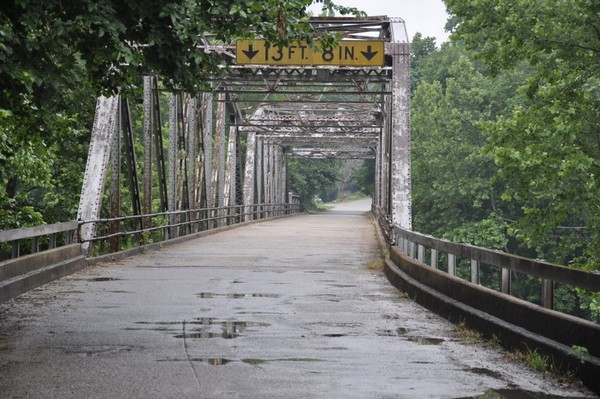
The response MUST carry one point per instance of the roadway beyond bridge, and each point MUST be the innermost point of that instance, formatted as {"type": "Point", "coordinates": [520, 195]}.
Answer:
{"type": "Point", "coordinates": [286, 308]}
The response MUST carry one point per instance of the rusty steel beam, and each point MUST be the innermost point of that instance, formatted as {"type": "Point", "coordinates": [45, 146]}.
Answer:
{"type": "Point", "coordinates": [400, 143]}
{"type": "Point", "coordinates": [96, 169]}
{"type": "Point", "coordinates": [148, 132]}
{"type": "Point", "coordinates": [115, 183]}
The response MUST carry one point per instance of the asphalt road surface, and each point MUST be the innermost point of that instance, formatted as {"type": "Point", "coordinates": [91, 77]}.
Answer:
{"type": "Point", "coordinates": [289, 308]}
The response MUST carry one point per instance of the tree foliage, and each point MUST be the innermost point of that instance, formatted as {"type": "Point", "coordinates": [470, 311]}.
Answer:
{"type": "Point", "coordinates": [548, 148]}
{"type": "Point", "coordinates": [311, 177]}
{"type": "Point", "coordinates": [454, 193]}
{"type": "Point", "coordinates": [56, 57]}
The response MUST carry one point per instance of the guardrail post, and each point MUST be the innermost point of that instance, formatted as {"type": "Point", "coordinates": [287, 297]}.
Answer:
{"type": "Point", "coordinates": [420, 253]}
{"type": "Point", "coordinates": [452, 264]}
{"type": "Point", "coordinates": [434, 258]}
{"type": "Point", "coordinates": [475, 271]}
{"type": "Point", "coordinates": [505, 283]}
{"type": "Point", "coordinates": [16, 249]}
{"type": "Point", "coordinates": [413, 250]}
{"type": "Point", "coordinates": [548, 293]}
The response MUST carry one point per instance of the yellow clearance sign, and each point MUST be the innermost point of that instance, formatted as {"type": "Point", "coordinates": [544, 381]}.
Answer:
{"type": "Point", "coordinates": [347, 53]}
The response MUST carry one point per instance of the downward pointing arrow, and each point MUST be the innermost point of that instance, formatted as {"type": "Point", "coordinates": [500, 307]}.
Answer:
{"type": "Point", "coordinates": [369, 54]}
{"type": "Point", "coordinates": [250, 53]}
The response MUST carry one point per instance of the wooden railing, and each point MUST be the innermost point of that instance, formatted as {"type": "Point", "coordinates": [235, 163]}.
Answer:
{"type": "Point", "coordinates": [39, 238]}
{"type": "Point", "coordinates": [446, 255]}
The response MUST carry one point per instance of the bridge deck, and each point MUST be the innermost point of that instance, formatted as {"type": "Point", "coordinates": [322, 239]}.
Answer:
{"type": "Point", "coordinates": [278, 309]}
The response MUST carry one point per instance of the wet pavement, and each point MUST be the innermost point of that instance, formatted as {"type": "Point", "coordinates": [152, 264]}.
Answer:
{"type": "Point", "coordinates": [280, 309]}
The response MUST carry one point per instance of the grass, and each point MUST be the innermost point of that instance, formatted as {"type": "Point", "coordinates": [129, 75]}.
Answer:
{"type": "Point", "coordinates": [376, 264]}
{"type": "Point", "coordinates": [468, 334]}
{"type": "Point", "coordinates": [535, 360]}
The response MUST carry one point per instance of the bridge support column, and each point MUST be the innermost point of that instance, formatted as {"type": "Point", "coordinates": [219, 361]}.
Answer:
{"type": "Point", "coordinates": [219, 176]}
{"type": "Point", "coordinates": [230, 175]}
{"type": "Point", "coordinates": [147, 142]}
{"type": "Point", "coordinates": [172, 173]}
{"type": "Point", "coordinates": [400, 139]}
{"type": "Point", "coordinates": [191, 151]}
{"type": "Point", "coordinates": [96, 167]}
{"type": "Point", "coordinates": [249, 176]}
{"type": "Point", "coordinates": [207, 129]}
{"type": "Point", "coordinates": [115, 182]}
{"type": "Point", "coordinates": [260, 173]}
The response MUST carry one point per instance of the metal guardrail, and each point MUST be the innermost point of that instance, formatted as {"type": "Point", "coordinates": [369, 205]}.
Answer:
{"type": "Point", "coordinates": [41, 237]}
{"type": "Point", "coordinates": [423, 248]}
{"type": "Point", "coordinates": [167, 225]}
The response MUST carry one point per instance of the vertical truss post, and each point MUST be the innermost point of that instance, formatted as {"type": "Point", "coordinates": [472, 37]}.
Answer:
{"type": "Point", "coordinates": [377, 177]}
{"type": "Point", "coordinates": [158, 148]}
{"type": "Point", "coordinates": [400, 140]}
{"type": "Point", "coordinates": [284, 175]}
{"type": "Point", "coordinates": [239, 182]}
{"type": "Point", "coordinates": [148, 132]}
{"type": "Point", "coordinates": [229, 186]}
{"type": "Point", "coordinates": [115, 182]}
{"type": "Point", "coordinates": [281, 179]}
{"type": "Point", "coordinates": [134, 187]}
{"type": "Point", "coordinates": [95, 169]}
{"type": "Point", "coordinates": [207, 108]}
{"type": "Point", "coordinates": [249, 176]}
{"type": "Point", "coordinates": [192, 156]}
{"type": "Point", "coordinates": [268, 177]}
{"type": "Point", "coordinates": [260, 147]}
{"type": "Point", "coordinates": [172, 194]}
{"type": "Point", "coordinates": [219, 185]}
{"type": "Point", "coordinates": [386, 168]}
{"type": "Point", "coordinates": [181, 199]}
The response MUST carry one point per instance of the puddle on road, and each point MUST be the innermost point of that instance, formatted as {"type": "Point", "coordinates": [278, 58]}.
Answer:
{"type": "Point", "coordinates": [392, 333]}
{"type": "Point", "coordinates": [426, 340]}
{"type": "Point", "coordinates": [516, 394]}
{"type": "Point", "coordinates": [97, 279]}
{"type": "Point", "coordinates": [200, 328]}
{"type": "Point", "coordinates": [484, 371]}
{"type": "Point", "coordinates": [204, 334]}
{"type": "Point", "coordinates": [209, 295]}
{"type": "Point", "coordinates": [219, 361]}
{"type": "Point", "coordinates": [228, 329]}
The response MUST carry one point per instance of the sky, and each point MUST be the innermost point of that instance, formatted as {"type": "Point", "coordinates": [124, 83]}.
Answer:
{"type": "Point", "coordinates": [425, 16]}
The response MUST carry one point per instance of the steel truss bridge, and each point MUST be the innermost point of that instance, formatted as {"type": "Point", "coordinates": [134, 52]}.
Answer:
{"type": "Point", "coordinates": [221, 160]}
{"type": "Point", "coordinates": [278, 111]}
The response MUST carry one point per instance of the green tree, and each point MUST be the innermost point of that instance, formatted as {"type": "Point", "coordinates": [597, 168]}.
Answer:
{"type": "Point", "coordinates": [310, 177]}
{"type": "Point", "coordinates": [454, 195]}
{"type": "Point", "coordinates": [56, 57]}
{"type": "Point", "coordinates": [548, 149]}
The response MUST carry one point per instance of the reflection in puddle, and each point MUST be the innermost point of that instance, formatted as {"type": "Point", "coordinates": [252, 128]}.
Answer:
{"type": "Point", "coordinates": [206, 327]}
{"type": "Point", "coordinates": [515, 394]}
{"type": "Point", "coordinates": [228, 329]}
{"type": "Point", "coordinates": [426, 340]}
{"type": "Point", "coordinates": [392, 333]}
